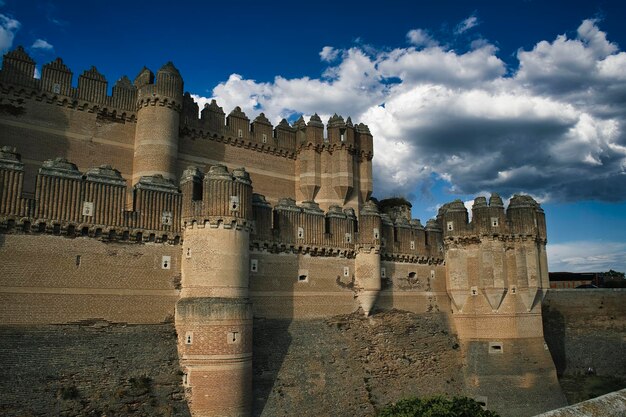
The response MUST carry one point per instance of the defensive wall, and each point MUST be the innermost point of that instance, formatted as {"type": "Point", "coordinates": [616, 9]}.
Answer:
{"type": "Point", "coordinates": [133, 208]}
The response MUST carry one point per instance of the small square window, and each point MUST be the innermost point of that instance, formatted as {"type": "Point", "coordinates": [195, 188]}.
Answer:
{"type": "Point", "coordinates": [188, 338]}
{"type": "Point", "coordinates": [300, 233]}
{"type": "Point", "coordinates": [412, 245]}
{"type": "Point", "coordinates": [188, 253]}
{"type": "Point", "coordinates": [56, 88]}
{"type": "Point", "coordinates": [346, 271]}
{"type": "Point", "coordinates": [432, 273]}
{"type": "Point", "coordinates": [474, 291]}
{"type": "Point", "coordinates": [495, 347]}
{"type": "Point", "coordinates": [494, 222]}
{"type": "Point", "coordinates": [254, 265]}
{"type": "Point", "coordinates": [264, 138]}
{"type": "Point", "coordinates": [240, 133]}
{"type": "Point", "coordinates": [450, 226]}
{"type": "Point", "coordinates": [383, 273]}
{"type": "Point", "coordinates": [303, 275]}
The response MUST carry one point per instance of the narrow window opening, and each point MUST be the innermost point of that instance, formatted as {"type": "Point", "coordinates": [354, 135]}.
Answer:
{"type": "Point", "coordinates": [188, 253]}
{"type": "Point", "coordinates": [383, 273]}
{"type": "Point", "coordinates": [376, 234]}
{"type": "Point", "coordinates": [234, 203]}
{"type": "Point", "coordinates": [495, 347]}
{"type": "Point", "coordinates": [494, 222]}
{"type": "Point", "coordinates": [88, 208]}
{"type": "Point", "coordinates": [474, 291]}
{"type": "Point", "coordinates": [56, 229]}
{"type": "Point", "coordinates": [84, 231]}
{"type": "Point", "coordinates": [264, 138]}
{"type": "Point", "coordinates": [233, 337]}
{"type": "Point", "coordinates": [412, 245]}
{"type": "Point", "coordinates": [450, 226]}
{"type": "Point", "coordinates": [300, 233]}
{"type": "Point", "coordinates": [346, 271]}
{"type": "Point", "coordinates": [77, 260]}
{"type": "Point", "coordinates": [348, 238]}
{"type": "Point", "coordinates": [240, 133]}
{"type": "Point", "coordinates": [166, 218]}
{"type": "Point", "coordinates": [139, 237]}
{"type": "Point", "coordinates": [188, 338]}
{"type": "Point", "coordinates": [254, 265]}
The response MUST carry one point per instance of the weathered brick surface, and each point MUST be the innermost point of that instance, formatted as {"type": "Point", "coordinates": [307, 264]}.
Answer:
{"type": "Point", "coordinates": [350, 365]}
{"type": "Point", "coordinates": [40, 281]}
{"type": "Point", "coordinates": [586, 328]}
{"type": "Point", "coordinates": [90, 370]}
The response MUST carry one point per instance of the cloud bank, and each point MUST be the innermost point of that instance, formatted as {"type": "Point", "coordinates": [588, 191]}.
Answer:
{"type": "Point", "coordinates": [8, 27]}
{"type": "Point", "coordinates": [554, 126]}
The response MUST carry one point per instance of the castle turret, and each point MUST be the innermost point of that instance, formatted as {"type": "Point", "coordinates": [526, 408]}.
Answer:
{"type": "Point", "coordinates": [367, 261]}
{"type": "Point", "coordinates": [365, 145]}
{"type": "Point", "coordinates": [308, 162]}
{"type": "Point", "coordinates": [214, 314]}
{"type": "Point", "coordinates": [159, 104]}
{"type": "Point", "coordinates": [341, 138]}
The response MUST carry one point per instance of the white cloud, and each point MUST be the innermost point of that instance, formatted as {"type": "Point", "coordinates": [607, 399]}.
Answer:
{"type": "Point", "coordinates": [587, 256]}
{"type": "Point", "coordinates": [8, 27]}
{"type": "Point", "coordinates": [420, 37]}
{"type": "Point", "coordinates": [329, 54]}
{"type": "Point", "coordinates": [466, 25]}
{"type": "Point", "coordinates": [42, 44]}
{"type": "Point", "coordinates": [553, 127]}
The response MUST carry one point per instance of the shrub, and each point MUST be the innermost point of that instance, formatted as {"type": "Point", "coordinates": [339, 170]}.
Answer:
{"type": "Point", "coordinates": [437, 406]}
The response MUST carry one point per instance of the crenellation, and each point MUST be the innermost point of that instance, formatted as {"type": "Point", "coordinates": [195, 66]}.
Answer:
{"type": "Point", "coordinates": [92, 86]}
{"type": "Point", "coordinates": [56, 78]}
{"type": "Point", "coordinates": [18, 68]}
{"type": "Point", "coordinates": [124, 94]}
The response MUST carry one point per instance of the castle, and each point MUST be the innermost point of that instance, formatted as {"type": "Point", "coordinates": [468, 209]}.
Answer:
{"type": "Point", "coordinates": [230, 219]}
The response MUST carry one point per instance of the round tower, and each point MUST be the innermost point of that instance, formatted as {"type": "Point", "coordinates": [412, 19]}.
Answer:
{"type": "Point", "coordinates": [159, 104]}
{"type": "Point", "coordinates": [367, 259]}
{"type": "Point", "coordinates": [214, 314]}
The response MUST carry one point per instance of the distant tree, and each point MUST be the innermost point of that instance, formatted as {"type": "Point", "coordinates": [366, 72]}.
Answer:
{"type": "Point", "coordinates": [614, 279]}
{"type": "Point", "coordinates": [437, 406]}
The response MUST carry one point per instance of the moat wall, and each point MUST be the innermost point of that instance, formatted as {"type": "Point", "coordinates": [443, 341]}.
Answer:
{"type": "Point", "coordinates": [585, 330]}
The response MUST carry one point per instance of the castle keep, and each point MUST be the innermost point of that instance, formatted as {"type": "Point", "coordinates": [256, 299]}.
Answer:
{"type": "Point", "coordinates": [212, 220]}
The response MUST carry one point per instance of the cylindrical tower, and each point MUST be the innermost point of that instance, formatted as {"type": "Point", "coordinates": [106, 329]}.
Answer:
{"type": "Point", "coordinates": [214, 314]}
{"type": "Point", "coordinates": [367, 259]}
{"type": "Point", "coordinates": [158, 116]}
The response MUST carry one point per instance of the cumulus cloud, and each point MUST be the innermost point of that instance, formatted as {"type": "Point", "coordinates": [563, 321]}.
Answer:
{"type": "Point", "coordinates": [420, 37]}
{"type": "Point", "coordinates": [8, 27]}
{"type": "Point", "coordinates": [42, 44]}
{"type": "Point", "coordinates": [585, 256]}
{"type": "Point", "coordinates": [466, 24]}
{"type": "Point", "coordinates": [554, 126]}
{"type": "Point", "coordinates": [329, 54]}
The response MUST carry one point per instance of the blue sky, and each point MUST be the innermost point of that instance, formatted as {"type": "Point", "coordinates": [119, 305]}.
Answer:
{"type": "Point", "coordinates": [463, 98]}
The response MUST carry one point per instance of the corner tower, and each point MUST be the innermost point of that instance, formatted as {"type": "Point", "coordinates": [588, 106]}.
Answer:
{"type": "Point", "coordinates": [214, 314]}
{"type": "Point", "coordinates": [159, 103]}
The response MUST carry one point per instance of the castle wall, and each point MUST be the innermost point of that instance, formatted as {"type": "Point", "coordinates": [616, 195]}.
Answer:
{"type": "Point", "coordinates": [43, 131]}
{"type": "Point", "coordinates": [51, 279]}
{"type": "Point", "coordinates": [272, 175]}
{"type": "Point", "coordinates": [586, 328]}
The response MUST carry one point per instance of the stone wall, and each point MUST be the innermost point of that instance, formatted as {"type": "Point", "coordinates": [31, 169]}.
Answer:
{"type": "Point", "coordinates": [609, 405]}
{"type": "Point", "coordinates": [91, 369]}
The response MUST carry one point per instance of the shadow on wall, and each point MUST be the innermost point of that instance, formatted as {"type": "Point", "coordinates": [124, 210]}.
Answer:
{"type": "Point", "coordinates": [554, 334]}
{"type": "Point", "coordinates": [272, 339]}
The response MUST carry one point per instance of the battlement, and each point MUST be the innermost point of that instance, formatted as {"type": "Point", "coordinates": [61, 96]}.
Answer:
{"type": "Point", "coordinates": [91, 203]}
{"type": "Point", "coordinates": [214, 123]}
{"type": "Point", "coordinates": [523, 217]}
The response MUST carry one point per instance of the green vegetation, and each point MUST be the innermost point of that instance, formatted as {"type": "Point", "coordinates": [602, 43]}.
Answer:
{"type": "Point", "coordinates": [614, 279]}
{"type": "Point", "coordinates": [437, 406]}
{"type": "Point", "coordinates": [69, 393]}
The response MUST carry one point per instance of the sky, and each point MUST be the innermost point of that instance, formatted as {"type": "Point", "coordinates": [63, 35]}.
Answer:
{"type": "Point", "coordinates": [463, 98]}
